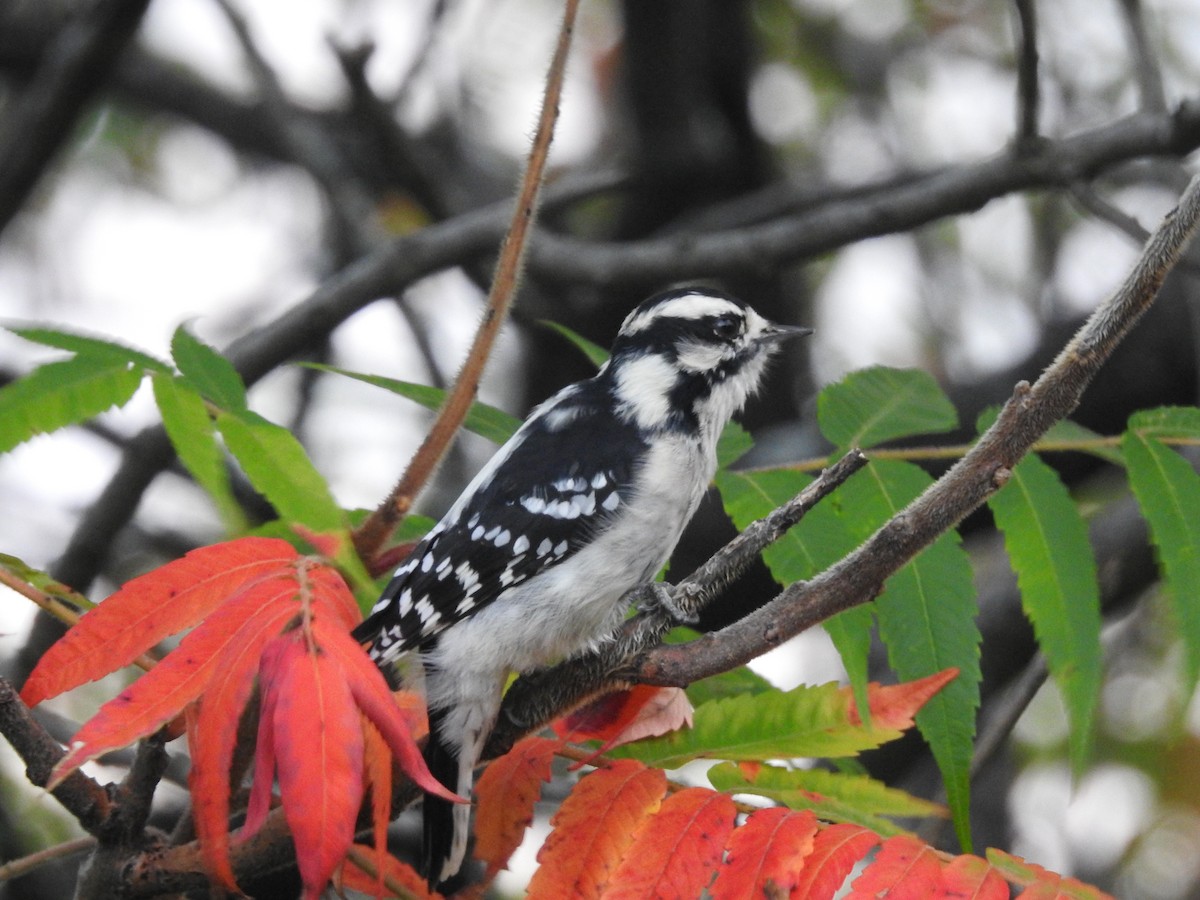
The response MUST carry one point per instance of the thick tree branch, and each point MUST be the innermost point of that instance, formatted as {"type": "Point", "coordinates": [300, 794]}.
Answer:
{"type": "Point", "coordinates": [88, 802]}
{"type": "Point", "coordinates": [859, 577]}
{"type": "Point", "coordinates": [863, 213]}
{"type": "Point", "coordinates": [897, 207]}
{"type": "Point", "coordinates": [75, 65]}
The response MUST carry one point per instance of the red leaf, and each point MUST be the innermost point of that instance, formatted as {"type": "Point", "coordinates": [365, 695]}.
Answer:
{"type": "Point", "coordinates": [593, 828]}
{"type": "Point", "coordinates": [629, 715]}
{"type": "Point", "coordinates": [160, 694]}
{"type": "Point", "coordinates": [836, 849]}
{"type": "Point", "coordinates": [152, 607]}
{"type": "Point", "coordinates": [319, 756]}
{"type": "Point", "coordinates": [507, 791]}
{"type": "Point", "coordinates": [904, 869]}
{"type": "Point", "coordinates": [766, 855]}
{"type": "Point", "coordinates": [374, 698]}
{"type": "Point", "coordinates": [393, 871]}
{"type": "Point", "coordinates": [971, 878]}
{"type": "Point", "coordinates": [676, 851]}
{"type": "Point", "coordinates": [896, 705]}
{"type": "Point", "coordinates": [270, 679]}
{"type": "Point", "coordinates": [327, 593]}
{"type": "Point", "coordinates": [215, 735]}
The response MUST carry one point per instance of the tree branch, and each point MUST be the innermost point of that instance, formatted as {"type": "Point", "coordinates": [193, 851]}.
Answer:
{"type": "Point", "coordinates": [539, 697]}
{"type": "Point", "coordinates": [88, 802]}
{"type": "Point", "coordinates": [859, 577]}
{"type": "Point", "coordinates": [74, 66]}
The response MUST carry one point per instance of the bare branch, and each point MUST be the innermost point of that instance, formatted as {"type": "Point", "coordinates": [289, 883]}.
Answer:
{"type": "Point", "coordinates": [859, 577]}
{"type": "Point", "coordinates": [864, 212]}
{"type": "Point", "coordinates": [1145, 63]}
{"type": "Point", "coordinates": [1028, 95]}
{"type": "Point", "coordinates": [87, 801]}
{"type": "Point", "coordinates": [74, 66]}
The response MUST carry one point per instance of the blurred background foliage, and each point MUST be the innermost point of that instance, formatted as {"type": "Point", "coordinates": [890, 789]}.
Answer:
{"type": "Point", "coordinates": [948, 184]}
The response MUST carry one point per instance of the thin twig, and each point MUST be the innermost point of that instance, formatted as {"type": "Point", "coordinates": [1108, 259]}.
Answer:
{"type": "Point", "coordinates": [1145, 60]}
{"type": "Point", "coordinates": [60, 608]}
{"type": "Point", "coordinates": [1028, 95]}
{"type": "Point", "coordinates": [538, 697]}
{"type": "Point", "coordinates": [309, 145]}
{"type": "Point", "coordinates": [19, 867]}
{"type": "Point", "coordinates": [379, 526]}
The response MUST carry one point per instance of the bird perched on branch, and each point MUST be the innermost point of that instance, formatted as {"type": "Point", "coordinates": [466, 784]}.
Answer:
{"type": "Point", "coordinates": [584, 503]}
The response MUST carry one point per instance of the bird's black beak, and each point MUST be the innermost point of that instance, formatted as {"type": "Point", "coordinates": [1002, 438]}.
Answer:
{"type": "Point", "coordinates": [774, 333]}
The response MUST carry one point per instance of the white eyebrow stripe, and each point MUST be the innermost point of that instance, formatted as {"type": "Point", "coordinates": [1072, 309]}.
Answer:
{"type": "Point", "coordinates": [689, 306]}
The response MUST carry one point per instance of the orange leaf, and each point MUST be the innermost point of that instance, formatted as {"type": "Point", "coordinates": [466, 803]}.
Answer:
{"type": "Point", "coordinates": [835, 851]}
{"type": "Point", "coordinates": [593, 828]}
{"type": "Point", "coordinates": [215, 734]}
{"type": "Point", "coordinates": [374, 698]}
{"type": "Point", "coordinates": [676, 851]}
{"type": "Point", "coordinates": [896, 705]}
{"type": "Point", "coordinates": [1039, 883]}
{"type": "Point", "coordinates": [393, 871]}
{"type": "Point", "coordinates": [904, 869]}
{"type": "Point", "coordinates": [970, 878]}
{"type": "Point", "coordinates": [766, 855]}
{"type": "Point", "coordinates": [507, 791]}
{"type": "Point", "coordinates": [319, 756]}
{"type": "Point", "coordinates": [160, 694]}
{"type": "Point", "coordinates": [152, 607]}
{"type": "Point", "coordinates": [379, 777]}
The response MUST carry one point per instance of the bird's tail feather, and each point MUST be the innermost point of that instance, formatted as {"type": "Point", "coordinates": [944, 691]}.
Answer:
{"type": "Point", "coordinates": [446, 824]}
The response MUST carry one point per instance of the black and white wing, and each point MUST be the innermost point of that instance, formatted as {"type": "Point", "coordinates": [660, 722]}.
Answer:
{"type": "Point", "coordinates": [544, 495]}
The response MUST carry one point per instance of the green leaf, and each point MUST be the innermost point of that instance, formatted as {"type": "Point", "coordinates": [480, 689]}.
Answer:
{"type": "Point", "coordinates": [803, 722]}
{"type": "Point", "coordinates": [280, 470]}
{"type": "Point", "coordinates": [486, 421]}
{"type": "Point", "coordinates": [850, 630]}
{"type": "Point", "coordinates": [1067, 432]}
{"type": "Point", "coordinates": [193, 435]}
{"type": "Point", "coordinates": [87, 345]}
{"type": "Point", "coordinates": [926, 617]}
{"type": "Point", "coordinates": [740, 682]}
{"type": "Point", "coordinates": [734, 443]}
{"type": "Point", "coordinates": [58, 394]}
{"type": "Point", "coordinates": [879, 404]}
{"type": "Point", "coordinates": [1168, 490]}
{"type": "Point", "coordinates": [834, 797]}
{"type": "Point", "coordinates": [206, 370]}
{"type": "Point", "coordinates": [44, 582]}
{"type": "Point", "coordinates": [820, 539]}
{"type": "Point", "coordinates": [594, 352]}
{"type": "Point", "coordinates": [1048, 546]}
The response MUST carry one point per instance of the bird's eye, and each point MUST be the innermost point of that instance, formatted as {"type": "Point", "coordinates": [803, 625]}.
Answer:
{"type": "Point", "coordinates": [727, 327]}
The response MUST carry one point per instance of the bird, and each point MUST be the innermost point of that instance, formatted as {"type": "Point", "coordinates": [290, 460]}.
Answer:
{"type": "Point", "coordinates": [584, 503]}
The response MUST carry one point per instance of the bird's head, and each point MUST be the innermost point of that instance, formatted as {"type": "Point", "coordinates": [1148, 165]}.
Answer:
{"type": "Point", "coordinates": [691, 357]}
